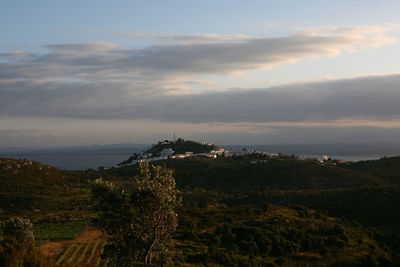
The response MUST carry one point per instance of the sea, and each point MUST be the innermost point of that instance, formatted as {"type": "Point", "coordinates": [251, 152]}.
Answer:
{"type": "Point", "coordinates": [76, 158]}
{"type": "Point", "coordinates": [93, 157]}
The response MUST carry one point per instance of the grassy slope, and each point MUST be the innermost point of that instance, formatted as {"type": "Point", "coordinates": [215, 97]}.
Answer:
{"type": "Point", "coordinates": [41, 189]}
{"type": "Point", "coordinates": [238, 176]}
{"type": "Point", "coordinates": [385, 168]}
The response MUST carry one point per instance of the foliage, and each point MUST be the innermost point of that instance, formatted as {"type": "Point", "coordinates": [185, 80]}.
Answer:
{"type": "Point", "coordinates": [17, 248]}
{"type": "Point", "coordinates": [228, 217]}
{"type": "Point", "coordinates": [139, 219]}
{"type": "Point", "coordinates": [239, 175]}
{"type": "Point", "coordinates": [387, 168]}
{"type": "Point", "coordinates": [57, 231]}
{"type": "Point", "coordinates": [30, 185]}
{"type": "Point", "coordinates": [371, 206]}
{"type": "Point", "coordinates": [258, 236]}
{"type": "Point", "coordinates": [20, 229]}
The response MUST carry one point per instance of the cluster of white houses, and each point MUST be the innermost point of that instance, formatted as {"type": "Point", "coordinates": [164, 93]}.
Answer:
{"type": "Point", "coordinates": [169, 153]}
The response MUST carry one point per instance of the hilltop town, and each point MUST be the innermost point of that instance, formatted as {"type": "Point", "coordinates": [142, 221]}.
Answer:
{"type": "Point", "coordinates": [183, 148]}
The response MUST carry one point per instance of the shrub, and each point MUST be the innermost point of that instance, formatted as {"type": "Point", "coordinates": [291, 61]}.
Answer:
{"type": "Point", "coordinates": [17, 248]}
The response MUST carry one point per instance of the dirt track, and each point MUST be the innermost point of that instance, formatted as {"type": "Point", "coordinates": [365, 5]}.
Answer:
{"type": "Point", "coordinates": [54, 248]}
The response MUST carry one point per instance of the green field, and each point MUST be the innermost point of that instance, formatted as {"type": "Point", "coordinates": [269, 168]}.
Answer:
{"type": "Point", "coordinates": [58, 231]}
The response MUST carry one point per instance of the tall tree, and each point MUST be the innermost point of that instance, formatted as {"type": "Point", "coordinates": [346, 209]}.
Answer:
{"type": "Point", "coordinates": [139, 218]}
{"type": "Point", "coordinates": [17, 249]}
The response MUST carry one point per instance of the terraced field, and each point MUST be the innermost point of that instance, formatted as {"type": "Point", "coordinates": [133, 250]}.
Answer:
{"type": "Point", "coordinates": [84, 250]}
{"type": "Point", "coordinates": [82, 254]}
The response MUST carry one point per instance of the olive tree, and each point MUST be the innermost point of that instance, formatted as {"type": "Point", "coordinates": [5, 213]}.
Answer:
{"type": "Point", "coordinates": [139, 217]}
{"type": "Point", "coordinates": [17, 249]}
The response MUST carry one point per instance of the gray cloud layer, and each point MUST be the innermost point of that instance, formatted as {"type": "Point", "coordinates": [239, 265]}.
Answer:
{"type": "Point", "coordinates": [102, 80]}
{"type": "Point", "coordinates": [220, 54]}
{"type": "Point", "coordinates": [373, 98]}
{"type": "Point", "coordinates": [362, 98]}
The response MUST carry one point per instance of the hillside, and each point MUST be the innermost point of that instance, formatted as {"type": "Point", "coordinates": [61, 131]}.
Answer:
{"type": "Point", "coordinates": [240, 175]}
{"type": "Point", "coordinates": [28, 185]}
{"type": "Point", "coordinates": [274, 236]}
{"type": "Point", "coordinates": [242, 210]}
{"type": "Point", "coordinates": [385, 168]}
{"type": "Point", "coordinates": [371, 206]}
{"type": "Point", "coordinates": [268, 235]}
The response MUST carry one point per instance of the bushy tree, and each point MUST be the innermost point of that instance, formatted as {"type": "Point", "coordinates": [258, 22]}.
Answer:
{"type": "Point", "coordinates": [17, 249]}
{"type": "Point", "coordinates": [139, 218]}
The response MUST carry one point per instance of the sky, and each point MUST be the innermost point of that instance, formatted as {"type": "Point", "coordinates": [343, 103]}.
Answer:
{"type": "Point", "coordinates": [229, 72]}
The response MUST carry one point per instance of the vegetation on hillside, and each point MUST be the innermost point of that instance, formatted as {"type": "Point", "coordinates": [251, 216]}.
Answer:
{"type": "Point", "coordinates": [384, 168]}
{"type": "Point", "coordinates": [27, 185]}
{"type": "Point", "coordinates": [238, 175]}
{"type": "Point", "coordinates": [269, 235]}
{"type": "Point", "coordinates": [181, 146]}
{"type": "Point", "coordinates": [251, 210]}
{"type": "Point", "coordinates": [17, 248]}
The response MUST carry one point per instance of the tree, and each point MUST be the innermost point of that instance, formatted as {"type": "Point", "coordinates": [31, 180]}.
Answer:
{"type": "Point", "coordinates": [139, 218]}
{"type": "Point", "coordinates": [17, 249]}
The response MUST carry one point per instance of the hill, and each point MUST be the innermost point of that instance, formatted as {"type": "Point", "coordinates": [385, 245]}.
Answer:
{"type": "Point", "coordinates": [371, 206]}
{"type": "Point", "coordinates": [29, 185]}
{"type": "Point", "coordinates": [387, 168]}
{"type": "Point", "coordinates": [243, 174]}
{"type": "Point", "coordinates": [180, 146]}
{"type": "Point", "coordinates": [242, 210]}
{"type": "Point", "coordinates": [274, 236]}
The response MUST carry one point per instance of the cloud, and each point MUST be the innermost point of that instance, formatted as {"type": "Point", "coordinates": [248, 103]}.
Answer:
{"type": "Point", "coordinates": [82, 47]}
{"type": "Point", "coordinates": [198, 38]}
{"type": "Point", "coordinates": [106, 81]}
{"type": "Point", "coordinates": [188, 55]}
{"type": "Point", "coordinates": [34, 133]}
{"type": "Point", "coordinates": [369, 29]}
{"type": "Point", "coordinates": [364, 98]}
{"type": "Point", "coordinates": [310, 135]}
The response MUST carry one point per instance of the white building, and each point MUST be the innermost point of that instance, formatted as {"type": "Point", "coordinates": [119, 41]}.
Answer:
{"type": "Point", "coordinates": [167, 152]}
{"type": "Point", "coordinates": [147, 155]}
